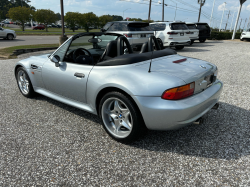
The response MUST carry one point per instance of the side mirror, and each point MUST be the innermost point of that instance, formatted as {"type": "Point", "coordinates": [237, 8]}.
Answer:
{"type": "Point", "coordinates": [56, 60]}
{"type": "Point", "coordinates": [103, 30]}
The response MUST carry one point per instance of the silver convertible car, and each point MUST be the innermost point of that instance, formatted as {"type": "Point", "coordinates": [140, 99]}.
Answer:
{"type": "Point", "coordinates": [130, 89]}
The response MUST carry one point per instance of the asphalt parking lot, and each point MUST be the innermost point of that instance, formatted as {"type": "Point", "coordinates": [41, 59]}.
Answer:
{"type": "Point", "coordinates": [47, 143]}
{"type": "Point", "coordinates": [29, 40]}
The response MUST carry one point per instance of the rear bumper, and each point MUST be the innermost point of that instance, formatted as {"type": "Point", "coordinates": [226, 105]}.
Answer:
{"type": "Point", "coordinates": [162, 114]}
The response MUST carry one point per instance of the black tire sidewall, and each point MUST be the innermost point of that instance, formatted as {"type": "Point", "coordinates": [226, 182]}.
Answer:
{"type": "Point", "coordinates": [31, 90]}
{"type": "Point", "coordinates": [179, 47]}
{"type": "Point", "coordinates": [160, 43]}
{"type": "Point", "coordinates": [138, 123]}
{"type": "Point", "coordinates": [11, 36]}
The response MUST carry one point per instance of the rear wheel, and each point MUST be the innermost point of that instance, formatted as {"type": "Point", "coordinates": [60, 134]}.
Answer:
{"type": "Point", "coordinates": [192, 42]}
{"type": "Point", "coordinates": [160, 43]}
{"type": "Point", "coordinates": [202, 40]}
{"type": "Point", "coordinates": [120, 117]}
{"type": "Point", "coordinates": [179, 47]}
{"type": "Point", "coordinates": [10, 37]}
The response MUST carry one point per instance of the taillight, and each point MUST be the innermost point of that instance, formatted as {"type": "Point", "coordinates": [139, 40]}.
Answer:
{"type": "Point", "coordinates": [179, 61]}
{"type": "Point", "coordinates": [179, 92]}
{"type": "Point", "coordinates": [188, 32]}
{"type": "Point", "coordinates": [172, 33]}
{"type": "Point", "coordinates": [128, 35]}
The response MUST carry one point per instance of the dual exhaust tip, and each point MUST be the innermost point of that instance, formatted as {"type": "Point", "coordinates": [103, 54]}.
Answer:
{"type": "Point", "coordinates": [200, 120]}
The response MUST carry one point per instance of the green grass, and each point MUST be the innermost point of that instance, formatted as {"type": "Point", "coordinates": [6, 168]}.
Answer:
{"type": "Point", "coordinates": [51, 31]}
{"type": "Point", "coordinates": [6, 52]}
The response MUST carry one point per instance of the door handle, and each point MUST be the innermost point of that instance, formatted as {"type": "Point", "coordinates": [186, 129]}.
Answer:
{"type": "Point", "coordinates": [33, 66]}
{"type": "Point", "coordinates": [79, 75]}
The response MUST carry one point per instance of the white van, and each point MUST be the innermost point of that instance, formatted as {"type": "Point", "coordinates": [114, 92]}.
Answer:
{"type": "Point", "coordinates": [171, 34]}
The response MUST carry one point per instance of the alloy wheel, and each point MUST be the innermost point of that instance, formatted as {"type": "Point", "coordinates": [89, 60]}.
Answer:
{"type": "Point", "coordinates": [23, 82]}
{"type": "Point", "coordinates": [117, 117]}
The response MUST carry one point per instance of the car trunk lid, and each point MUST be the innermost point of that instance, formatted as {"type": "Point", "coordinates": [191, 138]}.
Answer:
{"type": "Point", "coordinates": [187, 69]}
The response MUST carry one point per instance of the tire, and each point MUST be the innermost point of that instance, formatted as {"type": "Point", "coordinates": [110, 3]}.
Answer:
{"type": "Point", "coordinates": [121, 118]}
{"type": "Point", "coordinates": [202, 40]}
{"type": "Point", "coordinates": [192, 42]}
{"type": "Point", "coordinates": [160, 43]}
{"type": "Point", "coordinates": [179, 47]}
{"type": "Point", "coordinates": [24, 83]}
{"type": "Point", "coordinates": [10, 37]}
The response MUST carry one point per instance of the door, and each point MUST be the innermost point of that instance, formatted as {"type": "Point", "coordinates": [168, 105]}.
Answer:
{"type": "Point", "coordinates": [68, 80]}
{"type": "Point", "coordinates": [2, 32]}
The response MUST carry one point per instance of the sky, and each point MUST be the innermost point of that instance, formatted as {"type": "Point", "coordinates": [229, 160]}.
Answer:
{"type": "Point", "coordinates": [187, 10]}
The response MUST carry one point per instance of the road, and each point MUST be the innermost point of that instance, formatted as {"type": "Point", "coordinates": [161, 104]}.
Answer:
{"type": "Point", "coordinates": [47, 143]}
{"type": "Point", "coordinates": [29, 40]}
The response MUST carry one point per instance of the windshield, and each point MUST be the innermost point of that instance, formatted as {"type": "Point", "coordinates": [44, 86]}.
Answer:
{"type": "Point", "coordinates": [158, 27]}
{"type": "Point", "coordinates": [178, 26]}
{"type": "Point", "coordinates": [191, 26]}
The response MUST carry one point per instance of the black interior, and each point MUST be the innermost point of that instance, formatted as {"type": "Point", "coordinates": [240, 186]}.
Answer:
{"type": "Point", "coordinates": [117, 52]}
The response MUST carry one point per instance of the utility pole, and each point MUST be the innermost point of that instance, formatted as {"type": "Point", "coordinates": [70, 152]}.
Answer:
{"type": "Point", "coordinates": [162, 10]}
{"type": "Point", "coordinates": [201, 2]}
{"type": "Point", "coordinates": [227, 20]}
{"type": "Point", "coordinates": [245, 24]}
{"type": "Point", "coordinates": [149, 10]}
{"type": "Point", "coordinates": [232, 23]}
{"type": "Point", "coordinates": [248, 23]}
{"type": "Point", "coordinates": [63, 37]}
{"type": "Point", "coordinates": [240, 24]}
{"type": "Point", "coordinates": [175, 12]}
{"type": "Point", "coordinates": [238, 16]}
{"type": "Point", "coordinates": [212, 14]}
{"type": "Point", "coordinates": [222, 15]}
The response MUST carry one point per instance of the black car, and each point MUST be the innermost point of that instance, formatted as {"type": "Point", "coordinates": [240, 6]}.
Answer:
{"type": "Point", "coordinates": [204, 31]}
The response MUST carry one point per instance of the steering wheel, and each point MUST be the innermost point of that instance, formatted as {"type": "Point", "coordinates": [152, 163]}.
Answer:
{"type": "Point", "coordinates": [83, 59]}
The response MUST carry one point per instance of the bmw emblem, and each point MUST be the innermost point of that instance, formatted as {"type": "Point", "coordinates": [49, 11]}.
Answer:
{"type": "Point", "coordinates": [204, 67]}
{"type": "Point", "coordinates": [120, 115]}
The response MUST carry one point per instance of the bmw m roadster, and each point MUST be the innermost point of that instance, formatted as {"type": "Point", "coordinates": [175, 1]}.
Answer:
{"type": "Point", "coordinates": [130, 89]}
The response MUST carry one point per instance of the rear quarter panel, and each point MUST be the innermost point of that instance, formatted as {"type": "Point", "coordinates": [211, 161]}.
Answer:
{"type": "Point", "coordinates": [133, 80]}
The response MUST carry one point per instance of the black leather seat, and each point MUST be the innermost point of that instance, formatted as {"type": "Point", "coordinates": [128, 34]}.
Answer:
{"type": "Point", "coordinates": [111, 51]}
{"type": "Point", "coordinates": [144, 48]}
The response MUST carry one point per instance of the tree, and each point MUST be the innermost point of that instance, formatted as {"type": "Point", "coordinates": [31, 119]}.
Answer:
{"type": "Point", "coordinates": [72, 19]}
{"type": "Point", "coordinates": [104, 19]}
{"type": "Point", "coordinates": [45, 16]}
{"type": "Point", "coordinates": [5, 5]}
{"type": "Point", "coordinates": [58, 15]}
{"type": "Point", "coordinates": [21, 15]}
{"type": "Point", "coordinates": [88, 20]}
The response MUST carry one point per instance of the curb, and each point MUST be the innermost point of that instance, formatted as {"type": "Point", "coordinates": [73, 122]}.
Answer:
{"type": "Point", "coordinates": [22, 51]}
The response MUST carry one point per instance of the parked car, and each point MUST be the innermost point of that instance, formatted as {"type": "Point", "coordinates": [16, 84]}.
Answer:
{"type": "Point", "coordinates": [171, 34]}
{"type": "Point", "coordinates": [245, 35]}
{"type": "Point", "coordinates": [38, 27]}
{"type": "Point", "coordinates": [136, 32]}
{"type": "Point", "coordinates": [204, 31]}
{"type": "Point", "coordinates": [194, 33]}
{"type": "Point", "coordinates": [151, 89]}
{"type": "Point", "coordinates": [7, 34]}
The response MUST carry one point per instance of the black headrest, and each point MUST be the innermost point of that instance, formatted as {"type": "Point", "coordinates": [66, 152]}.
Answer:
{"type": "Point", "coordinates": [111, 49]}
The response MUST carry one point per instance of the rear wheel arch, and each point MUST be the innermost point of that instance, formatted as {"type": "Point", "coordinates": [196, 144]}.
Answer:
{"type": "Point", "coordinates": [113, 89]}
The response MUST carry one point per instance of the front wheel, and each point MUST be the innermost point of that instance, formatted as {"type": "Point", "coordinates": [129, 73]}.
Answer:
{"type": "Point", "coordinates": [120, 117]}
{"type": "Point", "coordinates": [10, 37]}
{"type": "Point", "coordinates": [24, 83]}
{"type": "Point", "coordinates": [179, 47]}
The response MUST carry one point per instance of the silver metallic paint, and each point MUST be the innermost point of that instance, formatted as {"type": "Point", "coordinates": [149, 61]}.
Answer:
{"type": "Point", "coordinates": [145, 88]}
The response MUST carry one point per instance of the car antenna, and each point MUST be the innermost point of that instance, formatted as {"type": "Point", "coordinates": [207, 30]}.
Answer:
{"type": "Point", "coordinates": [151, 57]}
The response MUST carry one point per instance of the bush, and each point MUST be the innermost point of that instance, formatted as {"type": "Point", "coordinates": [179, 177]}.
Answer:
{"type": "Point", "coordinates": [224, 35]}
